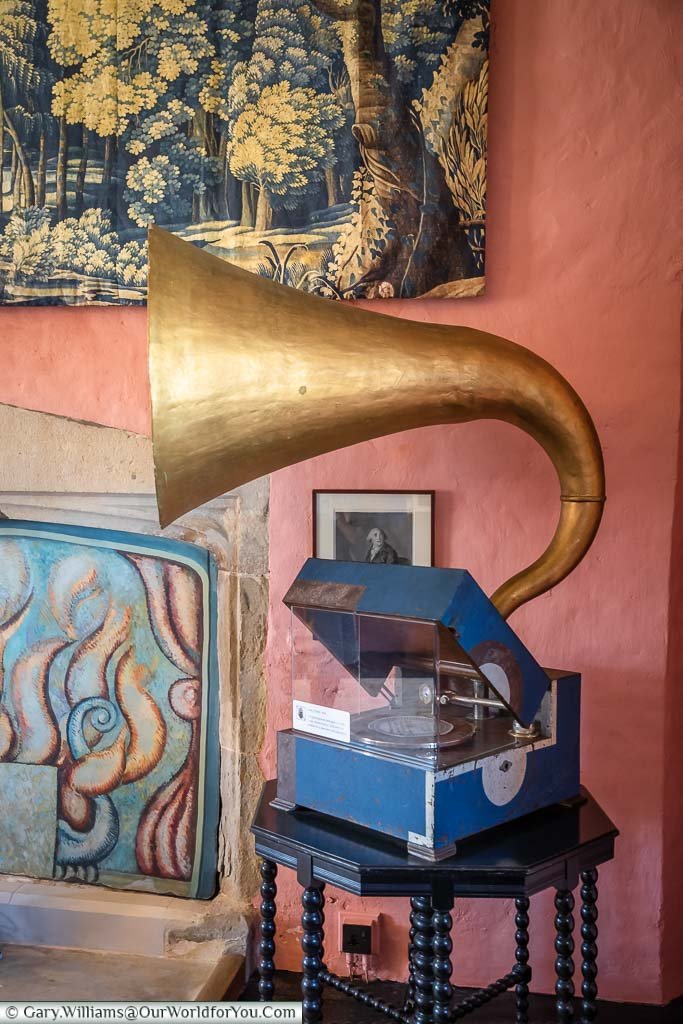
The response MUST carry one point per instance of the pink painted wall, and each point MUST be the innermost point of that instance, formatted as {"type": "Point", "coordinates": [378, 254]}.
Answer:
{"type": "Point", "coordinates": [672, 909]}
{"type": "Point", "coordinates": [585, 219]}
{"type": "Point", "coordinates": [89, 364]}
{"type": "Point", "coordinates": [582, 192]}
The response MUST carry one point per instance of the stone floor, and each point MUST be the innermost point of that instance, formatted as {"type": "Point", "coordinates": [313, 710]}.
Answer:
{"type": "Point", "coordinates": [45, 973]}
{"type": "Point", "coordinates": [339, 1009]}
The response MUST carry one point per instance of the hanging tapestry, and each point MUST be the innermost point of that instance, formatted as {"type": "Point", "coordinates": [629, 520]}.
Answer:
{"type": "Point", "coordinates": [108, 709]}
{"type": "Point", "coordinates": [337, 146]}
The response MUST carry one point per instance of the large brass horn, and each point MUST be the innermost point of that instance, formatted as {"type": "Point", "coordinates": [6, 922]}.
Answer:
{"type": "Point", "coordinates": [248, 376]}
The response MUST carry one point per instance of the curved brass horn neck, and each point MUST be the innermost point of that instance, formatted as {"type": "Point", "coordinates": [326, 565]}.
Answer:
{"type": "Point", "coordinates": [248, 376]}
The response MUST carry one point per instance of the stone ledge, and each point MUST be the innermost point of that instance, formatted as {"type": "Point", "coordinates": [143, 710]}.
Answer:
{"type": "Point", "coordinates": [52, 974]}
{"type": "Point", "coordinates": [71, 916]}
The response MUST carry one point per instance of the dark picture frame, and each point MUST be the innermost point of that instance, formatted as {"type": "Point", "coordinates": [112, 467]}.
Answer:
{"type": "Point", "coordinates": [374, 525]}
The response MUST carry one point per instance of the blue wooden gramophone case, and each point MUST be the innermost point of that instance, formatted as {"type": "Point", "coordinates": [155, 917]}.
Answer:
{"type": "Point", "coordinates": [416, 710]}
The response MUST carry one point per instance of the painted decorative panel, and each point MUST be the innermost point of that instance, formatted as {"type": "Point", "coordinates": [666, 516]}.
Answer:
{"type": "Point", "coordinates": [338, 146]}
{"type": "Point", "coordinates": [108, 709]}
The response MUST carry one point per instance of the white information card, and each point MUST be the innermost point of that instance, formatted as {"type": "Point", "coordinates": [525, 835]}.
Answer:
{"type": "Point", "coordinates": [321, 721]}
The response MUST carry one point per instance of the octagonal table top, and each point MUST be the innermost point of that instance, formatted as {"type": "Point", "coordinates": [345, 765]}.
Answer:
{"type": "Point", "coordinates": [547, 848]}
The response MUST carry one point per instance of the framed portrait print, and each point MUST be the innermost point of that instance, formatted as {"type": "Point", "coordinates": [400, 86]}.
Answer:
{"type": "Point", "coordinates": [374, 526]}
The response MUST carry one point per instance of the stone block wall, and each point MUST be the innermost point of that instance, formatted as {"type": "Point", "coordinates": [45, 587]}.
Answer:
{"type": "Point", "coordinates": [104, 478]}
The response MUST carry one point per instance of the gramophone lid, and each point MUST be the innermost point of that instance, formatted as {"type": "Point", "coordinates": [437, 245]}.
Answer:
{"type": "Point", "coordinates": [470, 627]}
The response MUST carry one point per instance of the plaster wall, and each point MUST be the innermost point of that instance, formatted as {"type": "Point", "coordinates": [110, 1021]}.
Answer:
{"type": "Point", "coordinates": [88, 363]}
{"type": "Point", "coordinates": [585, 220]}
{"type": "Point", "coordinates": [584, 214]}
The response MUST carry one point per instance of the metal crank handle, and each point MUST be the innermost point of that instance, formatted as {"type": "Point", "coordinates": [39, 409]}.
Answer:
{"type": "Point", "coordinates": [456, 698]}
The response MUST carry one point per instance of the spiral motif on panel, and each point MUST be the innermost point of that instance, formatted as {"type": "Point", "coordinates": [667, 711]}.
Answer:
{"type": "Point", "coordinates": [185, 697]}
{"type": "Point", "coordinates": [135, 751]}
{"type": "Point", "coordinates": [90, 773]}
{"type": "Point", "coordinates": [83, 843]}
{"type": "Point", "coordinates": [94, 772]}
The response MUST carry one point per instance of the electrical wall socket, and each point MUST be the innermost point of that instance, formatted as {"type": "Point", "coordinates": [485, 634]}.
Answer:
{"type": "Point", "coordinates": [355, 929]}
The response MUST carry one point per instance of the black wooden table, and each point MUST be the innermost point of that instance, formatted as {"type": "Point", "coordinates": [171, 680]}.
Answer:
{"type": "Point", "coordinates": [555, 848]}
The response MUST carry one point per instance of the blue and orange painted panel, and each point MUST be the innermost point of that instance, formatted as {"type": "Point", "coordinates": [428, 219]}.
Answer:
{"type": "Point", "coordinates": [108, 708]}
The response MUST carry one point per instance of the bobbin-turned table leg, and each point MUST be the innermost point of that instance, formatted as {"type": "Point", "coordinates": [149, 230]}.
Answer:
{"type": "Point", "coordinates": [589, 948]}
{"type": "Point", "coordinates": [312, 918]}
{"type": "Point", "coordinates": [423, 959]}
{"type": "Point", "coordinates": [522, 968]}
{"type": "Point", "coordinates": [266, 967]}
{"type": "Point", "coordinates": [443, 946]}
{"type": "Point", "coordinates": [564, 947]}
{"type": "Point", "coordinates": [409, 1002]}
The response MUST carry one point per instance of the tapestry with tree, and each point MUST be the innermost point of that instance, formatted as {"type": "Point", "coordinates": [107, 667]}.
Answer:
{"type": "Point", "coordinates": [336, 146]}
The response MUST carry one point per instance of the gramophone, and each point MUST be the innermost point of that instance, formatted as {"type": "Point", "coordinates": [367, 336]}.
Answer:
{"type": "Point", "coordinates": [417, 711]}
